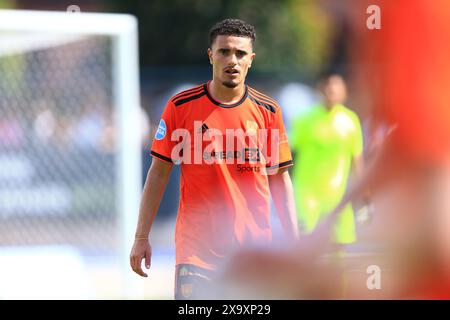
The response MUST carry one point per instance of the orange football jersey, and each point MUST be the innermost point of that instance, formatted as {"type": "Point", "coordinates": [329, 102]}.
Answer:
{"type": "Point", "coordinates": [226, 152]}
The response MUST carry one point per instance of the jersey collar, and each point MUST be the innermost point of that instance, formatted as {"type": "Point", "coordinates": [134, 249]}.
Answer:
{"type": "Point", "coordinates": [223, 105]}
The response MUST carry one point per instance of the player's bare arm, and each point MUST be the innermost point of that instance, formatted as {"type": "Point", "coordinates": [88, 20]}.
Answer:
{"type": "Point", "coordinates": [156, 182]}
{"type": "Point", "coordinates": [283, 197]}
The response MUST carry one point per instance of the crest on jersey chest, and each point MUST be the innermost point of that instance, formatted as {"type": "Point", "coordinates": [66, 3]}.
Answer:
{"type": "Point", "coordinates": [251, 127]}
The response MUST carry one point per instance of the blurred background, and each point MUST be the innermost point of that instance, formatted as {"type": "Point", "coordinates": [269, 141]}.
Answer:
{"type": "Point", "coordinates": [58, 129]}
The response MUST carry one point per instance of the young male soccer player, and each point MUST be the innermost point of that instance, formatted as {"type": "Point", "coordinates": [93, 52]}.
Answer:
{"type": "Point", "coordinates": [231, 143]}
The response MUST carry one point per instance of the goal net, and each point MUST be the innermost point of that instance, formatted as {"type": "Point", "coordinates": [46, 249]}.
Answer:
{"type": "Point", "coordinates": [70, 169]}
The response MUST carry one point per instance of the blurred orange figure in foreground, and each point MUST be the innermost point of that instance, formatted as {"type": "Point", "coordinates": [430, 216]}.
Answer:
{"type": "Point", "coordinates": [406, 74]}
{"type": "Point", "coordinates": [403, 71]}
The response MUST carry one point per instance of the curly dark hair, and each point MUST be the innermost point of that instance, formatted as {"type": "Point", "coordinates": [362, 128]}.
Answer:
{"type": "Point", "coordinates": [232, 27]}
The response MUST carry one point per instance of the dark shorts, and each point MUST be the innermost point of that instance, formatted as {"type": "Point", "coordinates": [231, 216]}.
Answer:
{"type": "Point", "coordinates": [192, 282]}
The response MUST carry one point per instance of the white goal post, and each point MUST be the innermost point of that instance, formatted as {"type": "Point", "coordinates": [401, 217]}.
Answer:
{"type": "Point", "coordinates": [46, 29]}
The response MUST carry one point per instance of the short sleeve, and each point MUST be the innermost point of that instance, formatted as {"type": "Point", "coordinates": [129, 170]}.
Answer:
{"type": "Point", "coordinates": [163, 145]}
{"type": "Point", "coordinates": [295, 134]}
{"type": "Point", "coordinates": [279, 151]}
{"type": "Point", "coordinates": [301, 130]}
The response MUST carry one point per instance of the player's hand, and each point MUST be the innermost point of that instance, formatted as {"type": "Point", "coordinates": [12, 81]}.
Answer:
{"type": "Point", "coordinates": [141, 250]}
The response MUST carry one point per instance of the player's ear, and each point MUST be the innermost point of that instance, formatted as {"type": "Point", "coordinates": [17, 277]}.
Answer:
{"type": "Point", "coordinates": [252, 56]}
{"type": "Point", "coordinates": [209, 51]}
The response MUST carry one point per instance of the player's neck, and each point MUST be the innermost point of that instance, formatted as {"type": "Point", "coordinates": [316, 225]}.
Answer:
{"type": "Point", "coordinates": [329, 105]}
{"type": "Point", "coordinates": [224, 94]}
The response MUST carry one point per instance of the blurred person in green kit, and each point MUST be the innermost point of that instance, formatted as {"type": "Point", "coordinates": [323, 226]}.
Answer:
{"type": "Point", "coordinates": [327, 142]}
